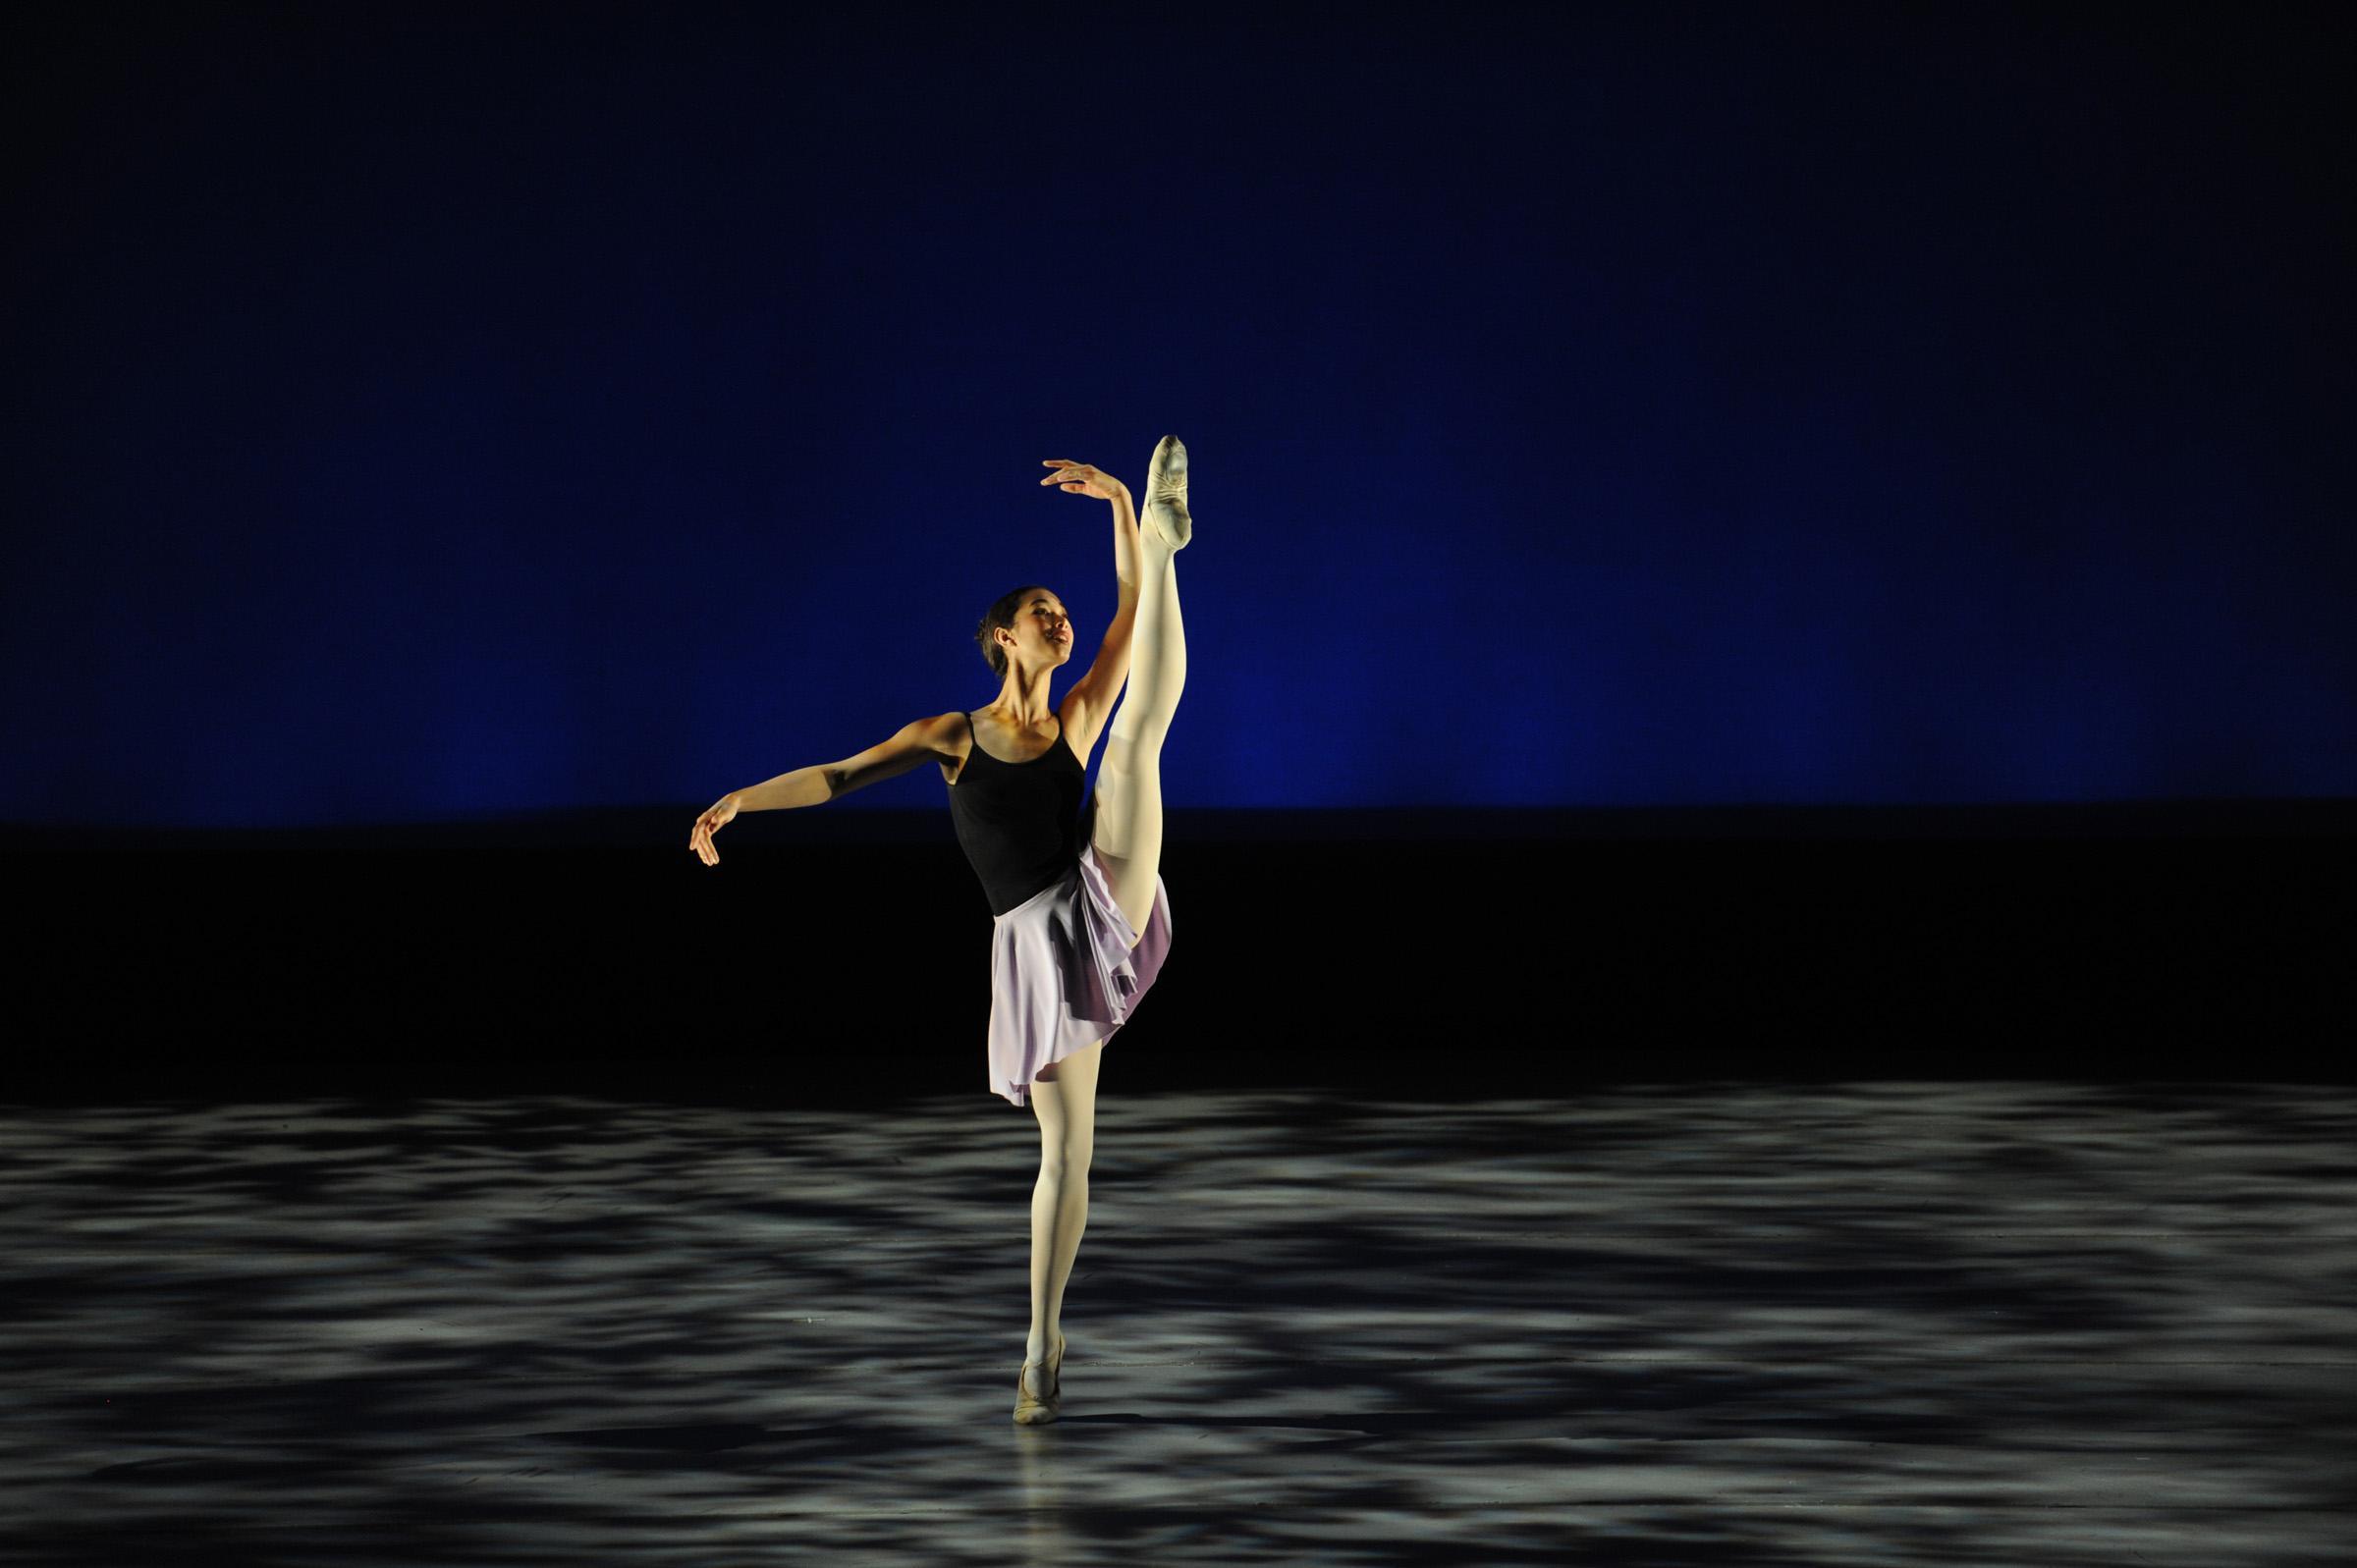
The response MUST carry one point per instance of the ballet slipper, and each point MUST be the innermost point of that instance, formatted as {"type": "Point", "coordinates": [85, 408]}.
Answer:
{"type": "Point", "coordinates": [1031, 1412]}
{"type": "Point", "coordinates": [1166, 493]}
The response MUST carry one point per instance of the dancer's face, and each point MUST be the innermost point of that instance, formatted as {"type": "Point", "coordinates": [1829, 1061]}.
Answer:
{"type": "Point", "coordinates": [1043, 632]}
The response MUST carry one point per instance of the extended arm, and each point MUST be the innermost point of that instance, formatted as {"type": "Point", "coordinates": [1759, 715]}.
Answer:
{"type": "Point", "coordinates": [1093, 695]}
{"type": "Point", "coordinates": [803, 786]}
{"type": "Point", "coordinates": [911, 745]}
{"type": "Point", "coordinates": [815, 785]}
{"type": "Point", "coordinates": [1098, 690]}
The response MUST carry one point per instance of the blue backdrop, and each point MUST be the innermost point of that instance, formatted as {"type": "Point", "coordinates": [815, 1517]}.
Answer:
{"type": "Point", "coordinates": [426, 411]}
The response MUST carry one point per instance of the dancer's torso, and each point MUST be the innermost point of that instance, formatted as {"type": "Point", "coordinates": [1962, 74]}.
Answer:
{"type": "Point", "coordinates": [1023, 817]}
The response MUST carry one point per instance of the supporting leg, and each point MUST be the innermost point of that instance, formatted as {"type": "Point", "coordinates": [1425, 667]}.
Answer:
{"type": "Point", "coordinates": [1066, 1102]}
{"type": "Point", "coordinates": [1128, 827]}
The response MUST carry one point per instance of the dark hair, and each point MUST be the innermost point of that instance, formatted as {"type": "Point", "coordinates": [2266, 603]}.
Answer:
{"type": "Point", "coordinates": [1002, 613]}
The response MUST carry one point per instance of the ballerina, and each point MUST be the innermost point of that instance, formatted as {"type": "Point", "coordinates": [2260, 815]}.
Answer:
{"type": "Point", "coordinates": [1081, 919]}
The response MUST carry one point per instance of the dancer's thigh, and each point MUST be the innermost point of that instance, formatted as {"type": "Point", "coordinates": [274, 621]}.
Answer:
{"type": "Point", "coordinates": [1129, 828]}
{"type": "Point", "coordinates": [1072, 1082]}
{"type": "Point", "coordinates": [1074, 1073]}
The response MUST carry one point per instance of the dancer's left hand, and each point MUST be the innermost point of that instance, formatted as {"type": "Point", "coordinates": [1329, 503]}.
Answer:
{"type": "Point", "coordinates": [1082, 480]}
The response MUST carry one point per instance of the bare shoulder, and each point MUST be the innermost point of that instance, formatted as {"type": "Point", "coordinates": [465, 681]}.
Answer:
{"type": "Point", "coordinates": [948, 734]}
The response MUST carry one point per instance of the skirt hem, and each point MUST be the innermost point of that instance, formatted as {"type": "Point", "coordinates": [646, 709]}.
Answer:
{"type": "Point", "coordinates": [1065, 974]}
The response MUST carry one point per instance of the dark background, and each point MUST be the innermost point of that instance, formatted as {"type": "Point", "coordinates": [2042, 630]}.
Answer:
{"type": "Point", "coordinates": [1643, 458]}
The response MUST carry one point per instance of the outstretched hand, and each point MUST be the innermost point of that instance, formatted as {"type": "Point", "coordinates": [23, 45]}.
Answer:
{"type": "Point", "coordinates": [723, 812]}
{"type": "Point", "coordinates": [1082, 480]}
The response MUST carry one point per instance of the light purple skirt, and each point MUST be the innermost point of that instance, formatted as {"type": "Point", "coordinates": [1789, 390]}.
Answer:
{"type": "Point", "coordinates": [1062, 974]}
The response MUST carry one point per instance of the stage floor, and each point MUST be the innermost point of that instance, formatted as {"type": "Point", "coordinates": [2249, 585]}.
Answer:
{"type": "Point", "coordinates": [1735, 1323]}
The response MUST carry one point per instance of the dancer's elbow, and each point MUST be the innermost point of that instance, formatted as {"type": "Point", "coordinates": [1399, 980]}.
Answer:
{"type": "Point", "coordinates": [908, 746]}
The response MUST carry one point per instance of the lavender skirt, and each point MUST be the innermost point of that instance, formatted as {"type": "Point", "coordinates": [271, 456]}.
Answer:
{"type": "Point", "coordinates": [1062, 974]}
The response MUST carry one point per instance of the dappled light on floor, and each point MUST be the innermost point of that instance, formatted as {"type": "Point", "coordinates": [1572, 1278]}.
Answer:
{"type": "Point", "coordinates": [1727, 1324]}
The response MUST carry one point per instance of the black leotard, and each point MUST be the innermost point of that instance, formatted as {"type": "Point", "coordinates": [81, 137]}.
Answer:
{"type": "Point", "coordinates": [1022, 823]}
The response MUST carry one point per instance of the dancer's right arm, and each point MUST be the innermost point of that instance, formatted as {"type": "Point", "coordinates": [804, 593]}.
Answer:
{"type": "Point", "coordinates": [909, 745]}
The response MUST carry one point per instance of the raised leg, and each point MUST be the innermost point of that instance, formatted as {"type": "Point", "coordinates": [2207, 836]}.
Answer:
{"type": "Point", "coordinates": [1128, 827]}
{"type": "Point", "coordinates": [1065, 1099]}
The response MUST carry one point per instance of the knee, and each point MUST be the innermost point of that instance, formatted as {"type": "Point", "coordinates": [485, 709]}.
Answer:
{"type": "Point", "coordinates": [1073, 1160]}
{"type": "Point", "coordinates": [1133, 745]}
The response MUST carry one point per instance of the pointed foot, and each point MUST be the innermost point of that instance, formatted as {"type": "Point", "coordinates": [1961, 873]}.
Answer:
{"type": "Point", "coordinates": [1165, 511]}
